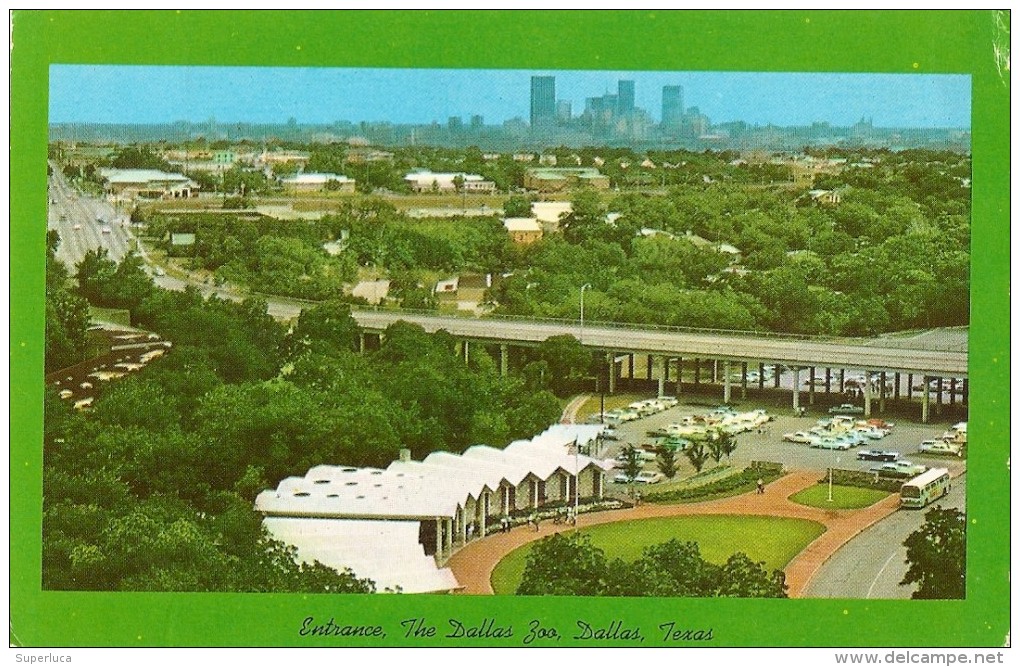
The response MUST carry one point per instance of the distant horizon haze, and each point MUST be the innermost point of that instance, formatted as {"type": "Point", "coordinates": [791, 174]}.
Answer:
{"type": "Point", "coordinates": [151, 95]}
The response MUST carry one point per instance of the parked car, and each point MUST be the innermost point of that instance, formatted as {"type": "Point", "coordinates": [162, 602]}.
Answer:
{"type": "Point", "coordinates": [877, 455]}
{"type": "Point", "coordinates": [940, 447]}
{"type": "Point", "coordinates": [900, 469]}
{"type": "Point", "coordinates": [802, 437]}
{"type": "Point", "coordinates": [846, 409]}
{"type": "Point", "coordinates": [831, 443]}
{"type": "Point", "coordinates": [649, 477]}
{"type": "Point", "coordinates": [871, 432]}
{"type": "Point", "coordinates": [610, 434]}
{"type": "Point", "coordinates": [643, 455]}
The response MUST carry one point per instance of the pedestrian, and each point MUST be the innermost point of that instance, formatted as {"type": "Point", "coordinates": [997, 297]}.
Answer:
{"type": "Point", "coordinates": [470, 530]}
{"type": "Point", "coordinates": [637, 498]}
{"type": "Point", "coordinates": [761, 485]}
{"type": "Point", "coordinates": [533, 521]}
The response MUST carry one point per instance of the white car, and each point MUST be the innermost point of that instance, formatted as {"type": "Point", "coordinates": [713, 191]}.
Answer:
{"type": "Point", "coordinates": [901, 468]}
{"type": "Point", "coordinates": [831, 443]}
{"type": "Point", "coordinates": [643, 477]}
{"type": "Point", "coordinates": [940, 447]}
{"type": "Point", "coordinates": [801, 437]}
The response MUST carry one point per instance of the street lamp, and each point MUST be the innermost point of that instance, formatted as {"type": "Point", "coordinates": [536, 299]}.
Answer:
{"type": "Point", "coordinates": [583, 288]}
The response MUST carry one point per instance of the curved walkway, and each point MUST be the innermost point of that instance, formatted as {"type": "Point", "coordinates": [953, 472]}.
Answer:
{"type": "Point", "coordinates": [474, 563]}
{"type": "Point", "coordinates": [570, 411]}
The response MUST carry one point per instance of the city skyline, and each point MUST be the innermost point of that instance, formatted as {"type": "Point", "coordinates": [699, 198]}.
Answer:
{"type": "Point", "coordinates": [162, 94]}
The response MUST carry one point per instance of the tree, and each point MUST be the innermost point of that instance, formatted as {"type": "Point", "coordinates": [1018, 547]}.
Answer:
{"type": "Point", "coordinates": [727, 443]}
{"type": "Point", "coordinates": [666, 462]}
{"type": "Point", "coordinates": [937, 556]}
{"type": "Point", "coordinates": [517, 206]}
{"type": "Point", "coordinates": [697, 454]}
{"type": "Point", "coordinates": [631, 462]}
{"type": "Point", "coordinates": [568, 362]}
{"type": "Point", "coordinates": [564, 565]}
{"type": "Point", "coordinates": [715, 449]}
{"type": "Point", "coordinates": [743, 578]}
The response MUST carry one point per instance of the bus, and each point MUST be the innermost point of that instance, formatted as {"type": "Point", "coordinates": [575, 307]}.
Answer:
{"type": "Point", "coordinates": [925, 488]}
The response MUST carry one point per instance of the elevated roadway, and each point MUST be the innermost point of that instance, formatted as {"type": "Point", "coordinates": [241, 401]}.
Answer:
{"type": "Point", "coordinates": [924, 354]}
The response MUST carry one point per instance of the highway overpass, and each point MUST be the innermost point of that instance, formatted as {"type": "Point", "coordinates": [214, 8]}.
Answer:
{"type": "Point", "coordinates": [941, 354]}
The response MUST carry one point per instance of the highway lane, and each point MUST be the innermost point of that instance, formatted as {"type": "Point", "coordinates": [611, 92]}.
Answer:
{"type": "Point", "coordinates": [722, 345]}
{"type": "Point", "coordinates": [871, 565]}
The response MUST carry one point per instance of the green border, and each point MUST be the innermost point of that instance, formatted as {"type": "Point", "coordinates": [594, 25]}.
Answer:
{"type": "Point", "coordinates": [872, 41]}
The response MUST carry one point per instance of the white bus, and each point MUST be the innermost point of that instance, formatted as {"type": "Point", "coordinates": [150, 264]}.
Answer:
{"type": "Point", "coordinates": [925, 488]}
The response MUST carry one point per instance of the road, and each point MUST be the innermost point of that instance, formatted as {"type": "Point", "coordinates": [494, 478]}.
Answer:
{"type": "Point", "coordinates": [872, 564]}
{"type": "Point", "coordinates": [86, 223]}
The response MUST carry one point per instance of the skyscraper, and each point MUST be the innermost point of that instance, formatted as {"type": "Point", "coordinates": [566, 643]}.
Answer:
{"type": "Point", "coordinates": [625, 97]}
{"type": "Point", "coordinates": [672, 105]}
{"type": "Point", "coordinates": [543, 101]}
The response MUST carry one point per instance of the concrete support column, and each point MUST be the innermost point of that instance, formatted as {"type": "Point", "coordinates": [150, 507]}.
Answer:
{"type": "Point", "coordinates": [665, 368]}
{"type": "Point", "coordinates": [726, 381]}
{"type": "Point", "coordinates": [938, 397]}
{"type": "Point", "coordinates": [775, 377]}
{"type": "Point", "coordinates": [796, 387]}
{"type": "Point", "coordinates": [896, 387]}
{"type": "Point", "coordinates": [924, 401]}
{"type": "Point", "coordinates": [811, 385]}
{"type": "Point", "coordinates": [867, 393]}
{"type": "Point", "coordinates": [761, 377]}
{"type": "Point", "coordinates": [828, 381]}
{"type": "Point", "coordinates": [910, 385]}
{"type": "Point", "coordinates": [679, 376]}
{"type": "Point", "coordinates": [842, 380]}
{"type": "Point", "coordinates": [715, 371]}
{"type": "Point", "coordinates": [361, 342]}
{"type": "Point", "coordinates": [965, 395]}
{"type": "Point", "coordinates": [630, 366]}
{"type": "Point", "coordinates": [881, 393]}
{"type": "Point", "coordinates": [697, 372]}
{"type": "Point", "coordinates": [952, 391]}
{"type": "Point", "coordinates": [743, 380]}
{"type": "Point", "coordinates": [483, 504]}
{"type": "Point", "coordinates": [504, 353]}
{"type": "Point", "coordinates": [648, 361]}
{"type": "Point", "coordinates": [466, 351]}
{"type": "Point", "coordinates": [612, 372]}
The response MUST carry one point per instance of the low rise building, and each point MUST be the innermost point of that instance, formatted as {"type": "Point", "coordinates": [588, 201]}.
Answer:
{"type": "Point", "coordinates": [317, 182]}
{"type": "Point", "coordinates": [558, 179]}
{"type": "Point", "coordinates": [399, 525]}
{"type": "Point", "coordinates": [427, 181]}
{"type": "Point", "coordinates": [523, 231]}
{"type": "Point", "coordinates": [147, 184]}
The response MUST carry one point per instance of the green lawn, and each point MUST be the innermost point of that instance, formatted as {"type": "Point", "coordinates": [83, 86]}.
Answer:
{"type": "Point", "coordinates": [770, 539]}
{"type": "Point", "coordinates": [843, 497]}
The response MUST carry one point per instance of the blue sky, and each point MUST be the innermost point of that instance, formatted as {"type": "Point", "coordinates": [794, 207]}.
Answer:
{"type": "Point", "coordinates": [153, 94]}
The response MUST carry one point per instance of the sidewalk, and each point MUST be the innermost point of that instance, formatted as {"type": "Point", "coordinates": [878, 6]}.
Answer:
{"type": "Point", "coordinates": [473, 564]}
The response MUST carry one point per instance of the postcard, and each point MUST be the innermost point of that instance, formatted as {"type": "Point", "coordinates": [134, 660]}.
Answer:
{"type": "Point", "coordinates": [510, 329]}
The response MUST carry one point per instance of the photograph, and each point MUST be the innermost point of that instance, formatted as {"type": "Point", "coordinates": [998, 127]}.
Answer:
{"type": "Point", "coordinates": [337, 343]}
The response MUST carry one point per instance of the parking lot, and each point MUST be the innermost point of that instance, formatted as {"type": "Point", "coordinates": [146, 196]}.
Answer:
{"type": "Point", "coordinates": [770, 446]}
